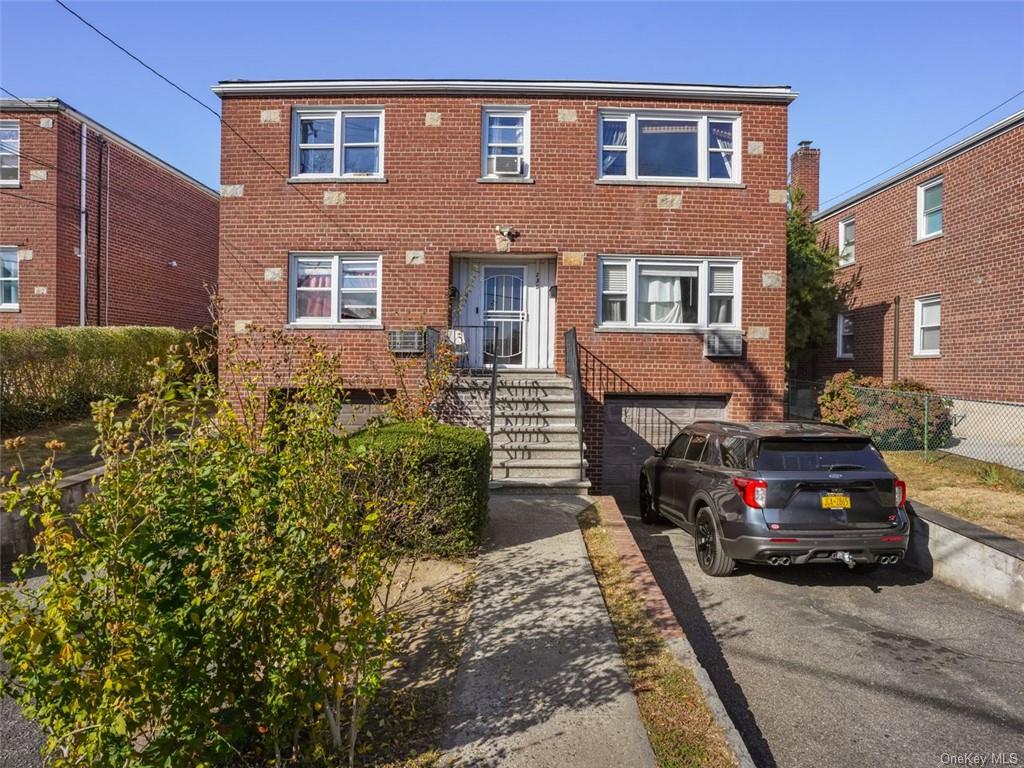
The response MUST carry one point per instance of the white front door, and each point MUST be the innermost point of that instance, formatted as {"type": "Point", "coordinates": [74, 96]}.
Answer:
{"type": "Point", "coordinates": [506, 310]}
{"type": "Point", "coordinates": [504, 315]}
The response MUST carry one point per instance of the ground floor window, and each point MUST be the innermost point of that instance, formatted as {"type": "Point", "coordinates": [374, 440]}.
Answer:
{"type": "Point", "coordinates": [667, 292]}
{"type": "Point", "coordinates": [927, 322]}
{"type": "Point", "coordinates": [334, 288]}
{"type": "Point", "coordinates": [844, 337]}
{"type": "Point", "coordinates": [9, 277]}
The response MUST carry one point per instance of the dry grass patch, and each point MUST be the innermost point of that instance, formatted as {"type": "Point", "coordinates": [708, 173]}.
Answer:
{"type": "Point", "coordinates": [405, 724]}
{"type": "Point", "coordinates": [681, 727]}
{"type": "Point", "coordinates": [986, 494]}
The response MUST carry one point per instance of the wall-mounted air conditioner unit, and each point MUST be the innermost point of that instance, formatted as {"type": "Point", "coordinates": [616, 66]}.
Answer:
{"type": "Point", "coordinates": [508, 165]}
{"type": "Point", "coordinates": [723, 343]}
{"type": "Point", "coordinates": [407, 341]}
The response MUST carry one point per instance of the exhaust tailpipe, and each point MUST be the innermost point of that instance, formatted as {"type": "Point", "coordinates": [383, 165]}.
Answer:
{"type": "Point", "coordinates": [773, 560]}
{"type": "Point", "coordinates": [783, 561]}
{"type": "Point", "coordinates": [846, 557]}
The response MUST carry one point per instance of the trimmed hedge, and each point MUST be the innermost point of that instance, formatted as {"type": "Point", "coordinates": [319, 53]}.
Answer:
{"type": "Point", "coordinates": [455, 464]}
{"type": "Point", "coordinates": [47, 374]}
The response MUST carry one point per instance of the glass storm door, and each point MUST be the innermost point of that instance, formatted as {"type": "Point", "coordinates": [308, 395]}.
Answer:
{"type": "Point", "coordinates": [504, 315]}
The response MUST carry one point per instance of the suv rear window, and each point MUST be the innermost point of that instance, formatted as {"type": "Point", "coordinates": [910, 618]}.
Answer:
{"type": "Point", "coordinates": [818, 455]}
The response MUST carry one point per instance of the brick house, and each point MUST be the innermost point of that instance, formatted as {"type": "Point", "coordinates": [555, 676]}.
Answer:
{"type": "Point", "coordinates": [69, 185]}
{"type": "Point", "coordinates": [651, 219]}
{"type": "Point", "coordinates": [939, 250]}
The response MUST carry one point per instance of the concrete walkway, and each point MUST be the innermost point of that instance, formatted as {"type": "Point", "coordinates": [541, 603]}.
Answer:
{"type": "Point", "coordinates": [542, 682]}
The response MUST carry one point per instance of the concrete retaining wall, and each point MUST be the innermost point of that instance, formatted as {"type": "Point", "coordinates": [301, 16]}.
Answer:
{"type": "Point", "coordinates": [16, 535]}
{"type": "Point", "coordinates": [968, 557]}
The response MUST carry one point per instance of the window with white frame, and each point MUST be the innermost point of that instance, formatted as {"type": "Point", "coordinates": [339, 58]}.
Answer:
{"type": "Point", "coordinates": [847, 241]}
{"type": "Point", "coordinates": [927, 323]}
{"type": "Point", "coordinates": [669, 145]}
{"type": "Point", "coordinates": [844, 336]}
{"type": "Point", "coordinates": [10, 152]}
{"type": "Point", "coordinates": [334, 289]}
{"type": "Point", "coordinates": [655, 292]}
{"type": "Point", "coordinates": [929, 209]}
{"type": "Point", "coordinates": [337, 143]}
{"type": "Point", "coordinates": [9, 277]}
{"type": "Point", "coordinates": [506, 143]}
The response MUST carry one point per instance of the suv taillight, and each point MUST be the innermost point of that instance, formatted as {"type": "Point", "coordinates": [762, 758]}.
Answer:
{"type": "Point", "coordinates": [900, 488]}
{"type": "Point", "coordinates": [753, 492]}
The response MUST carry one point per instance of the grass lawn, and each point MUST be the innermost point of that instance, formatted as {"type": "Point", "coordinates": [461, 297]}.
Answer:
{"type": "Point", "coordinates": [78, 436]}
{"type": "Point", "coordinates": [986, 494]}
{"type": "Point", "coordinates": [405, 724]}
{"type": "Point", "coordinates": [681, 727]}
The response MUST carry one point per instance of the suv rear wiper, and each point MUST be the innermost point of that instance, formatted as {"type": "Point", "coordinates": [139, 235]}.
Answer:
{"type": "Point", "coordinates": [835, 467]}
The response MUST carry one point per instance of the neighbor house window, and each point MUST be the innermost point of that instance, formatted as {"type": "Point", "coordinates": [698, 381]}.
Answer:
{"type": "Point", "coordinates": [929, 209]}
{"type": "Point", "coordinates": [844, 337]}
{"type": "Point", "coordinates": [506, 143]}
{"type": "Point", "coordinates": [847, 241]}
{"type": "Point", "coordinates": [335, 289]}
{"type": "Point", "coordinates": [10, 152]}
{"type": "Point", "coordinates": [639, 292]}
{"type": "Point", "coordinates": [337, 143]}
{"type": "Point", "coordinates": [927, 321]}
{"type": "Point", "coordinates": [9, 273]}
{"type": "Point", "coordinates": [668, 145]}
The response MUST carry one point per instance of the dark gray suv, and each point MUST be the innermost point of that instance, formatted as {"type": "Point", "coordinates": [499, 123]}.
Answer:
{"type": "Point", "coordinates": [777, 493]}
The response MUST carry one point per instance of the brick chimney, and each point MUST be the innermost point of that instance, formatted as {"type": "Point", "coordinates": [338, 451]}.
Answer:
{"type": "Point", "coordinates": [804, 166]}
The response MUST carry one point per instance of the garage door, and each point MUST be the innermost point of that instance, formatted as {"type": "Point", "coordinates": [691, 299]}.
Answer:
{"type": "Point", "coordinates": [635, 425]}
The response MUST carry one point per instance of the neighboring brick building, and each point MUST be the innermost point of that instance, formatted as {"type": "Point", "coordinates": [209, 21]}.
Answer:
{"type": "Point", "coordinates": [638, 214]}
{"type": "Point", "coordinates": [939, 250]}
{"type": "Point", "coordinates": [149, 231]}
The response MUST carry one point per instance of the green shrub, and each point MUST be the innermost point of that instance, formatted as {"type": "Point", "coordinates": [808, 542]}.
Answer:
{"type": "Point", "coordinates": [458, 462]}
{"type": "Point", "coordinates": [893, 415]}
{"type": "Point", "coordinates": [48, 374]}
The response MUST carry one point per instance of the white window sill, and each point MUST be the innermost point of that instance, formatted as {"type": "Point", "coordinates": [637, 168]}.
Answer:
{"type": "Point", "coordinates": [505, 180]}
{"type": "Point", "coordinates": [844, 358]}
{"type": "Point", "coordinates": [669, 183]}
{"type": "Point", "coordinates": [926, 238]}
{"type": "Point", "coordinates": [338, 180]}
{"type": "Point", "coordinates": [10, 184]}
{"type": "Point", "coordinates": [10, 308]}
{"type": "Point", "coordinates": [845, 264]}
{"type": "Point", "coordinates": [364, 326]}
{"type": "Point", "coordinates": [925, 355]}
{"type": "Point", "coordinates": [690, 329]}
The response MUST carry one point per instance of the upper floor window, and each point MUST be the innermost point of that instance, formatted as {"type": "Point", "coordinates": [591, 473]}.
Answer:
{"type": "Point", "coordinates": [844, 337]}
{"type": "Point", "coordinates": [337, 143]}
{"type": "Point", "coordinates": [506, 143]}
{"type": "Point", "coordinates": [10, 152]}
{"type": "Point", "coordinates": [334, 289]}
{"type": "Point", "coordinates": [667, 293]}
{"type": "Point", "coordinates": [847, 241]}
{"type": "Point", "coordinates": [9, 275]}
{"type": "Point", "coordinates": [927, 324]}
{"type": "Point", "coordinates": [929, 209]}
{"type": "Point", "coordinates": [669, 146]}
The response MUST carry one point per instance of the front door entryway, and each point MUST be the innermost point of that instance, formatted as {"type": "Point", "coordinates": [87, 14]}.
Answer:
{"type": "Point", "coordinates": [504, 309]}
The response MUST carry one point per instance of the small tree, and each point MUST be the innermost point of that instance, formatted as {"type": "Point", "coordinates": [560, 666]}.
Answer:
{"type": "Point", "coordinates": [814, 292]}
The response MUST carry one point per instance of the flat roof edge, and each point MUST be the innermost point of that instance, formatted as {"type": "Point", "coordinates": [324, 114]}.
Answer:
{"type": "Point", "coordinates": [773, 93]}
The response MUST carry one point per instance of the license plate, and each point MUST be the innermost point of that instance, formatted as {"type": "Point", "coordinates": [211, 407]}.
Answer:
{"type": "Point", "coordinates": [835, 501]}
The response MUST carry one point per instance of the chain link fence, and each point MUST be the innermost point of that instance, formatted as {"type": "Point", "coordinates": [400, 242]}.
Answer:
{"type": "Point", "coordinates": [985, 430]}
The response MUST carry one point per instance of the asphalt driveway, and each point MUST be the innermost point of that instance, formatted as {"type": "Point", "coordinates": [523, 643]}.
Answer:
{"type": "Point", "coordinates": [819, 665]}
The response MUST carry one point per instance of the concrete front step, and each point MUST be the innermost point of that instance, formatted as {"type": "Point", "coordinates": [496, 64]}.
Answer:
{"type": "Point", "coordinates": [540, 486]}
{"type": "Point", "coordinates": [534, 433]}
{"type": "Point", "coordinates": [537, 468]}
{"type": "Point", "coordinates": [505, 400]}
{"type": "Point", "coordinates": [520, 450]}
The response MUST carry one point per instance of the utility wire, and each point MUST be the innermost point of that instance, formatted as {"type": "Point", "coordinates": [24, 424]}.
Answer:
{"type": "Point", "coordinates": [917, 154]}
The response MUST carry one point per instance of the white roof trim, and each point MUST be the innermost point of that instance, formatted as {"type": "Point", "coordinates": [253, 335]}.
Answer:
{"type": "Point", "coordinates": [56, 105]}
{"type": "Point", "coordinates": [972, 141]}
{"type": "Point", "coordinates": [780, 93]}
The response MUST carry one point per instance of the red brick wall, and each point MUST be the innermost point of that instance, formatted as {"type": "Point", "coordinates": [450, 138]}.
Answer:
{"type": "Point", "coordinates": [805, 169]}
{"type": "Point", "coordinates": [432, 202]}
{"type": "Point", "coordinates": [977, 266]}
{"type": "Point", "coordinates": [154, 217]}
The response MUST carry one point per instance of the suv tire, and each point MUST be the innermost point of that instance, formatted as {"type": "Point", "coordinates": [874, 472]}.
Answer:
{"type": "Point", "coordinates": [648, 507]}
{"type": "Point", "coordinates": [708, 546]}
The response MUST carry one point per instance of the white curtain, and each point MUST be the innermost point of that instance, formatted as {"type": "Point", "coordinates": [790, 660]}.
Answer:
{"type": "Point", "coordinates": [667, 295]}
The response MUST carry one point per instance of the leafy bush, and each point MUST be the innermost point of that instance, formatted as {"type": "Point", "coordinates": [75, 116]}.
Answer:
{"type": "Point", "coordinates": [458, 461]}
{"type": "Point", "coordinates": [55, 373]}
{"type": "Point", "coordinates": [225, 597]}
{"type": "Point", "coordinates": [894, 414]}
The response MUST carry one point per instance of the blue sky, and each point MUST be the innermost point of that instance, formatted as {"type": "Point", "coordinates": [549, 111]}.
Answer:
{"type": "Point", "coordinates": [878, 81]}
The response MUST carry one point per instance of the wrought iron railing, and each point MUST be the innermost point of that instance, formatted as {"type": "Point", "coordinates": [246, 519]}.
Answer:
{"type": "Point", "coordinates": [572, 370]}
